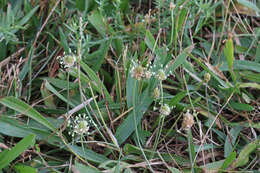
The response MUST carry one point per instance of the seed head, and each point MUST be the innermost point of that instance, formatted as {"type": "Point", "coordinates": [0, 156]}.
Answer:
{"type": "Point", "coordinates": [156, 93]}
{"type": "Point", "coordinates": [207, 77]}
{"type": "Point", "coordinates": [188, 120]}
{"type": "Point", "coordinates": [67, 61]}
{"type": "Point", "coordinates": [80, 125]}
{"type": "Point", "coordinates": [172, 6]}
{"type": "Point", "coordinates": [161, 75]}
{"type": "Point", "coordinates": [165, 110]}
{"type": "Point", "coordinates": [137, 72]}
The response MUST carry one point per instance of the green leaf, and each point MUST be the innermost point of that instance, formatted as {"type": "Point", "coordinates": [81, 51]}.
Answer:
{"type": "Point", "coordinates": [192, 153]}
{"type": "Point", "coordinates": [80, 4]}
{"type": "Point", "coordinates": [229, 53]}
{"type": "Point", "coordinates": [231, 139]}
{"type": "Point", "coordinates": [128, 125]}
{"type": "Point", "coordinates": [21, 168]}
{"type": "Point", "coordinates": [149, 40]}
{"type": "Point", "coordinates": [241, 106]}
{"type": "Point", "coordinates": [174, 170]}
{"type": "Point", "coordinates": [47, 96]}
{"type": "Point", "coordinates": [27, 65]}
{"type": "Point", "coordinates": [28, 16]}
{"type": "Point", "coordinates": [229, 160]}
{"type": "Point", "coordinates": [97, 20]}
{"type": "Point", "coordinates": [242, 65]}
{"type": "Point", "coordinates": [180, 59]}
{"type": "Point", "coordinates": [95, 81]}
{"type": "Point", "coordinates": [80, 168]}
{"type": "Point", "coordinates": [246, 151]}
{"type": "Point", "coordinates": [88, 154]}
{"type": "Point", "coordinates": [96, 58]}
{"type": "Point", "coordinates": [11, 127]}
{"type": "Point", "coordinates": [181, 19]}
{"type": "Point", "coordinates": [177, 98]}
{"type": "Point", "coordinates": [18, 149]}
{"type": "Point", "coordinates": [26, 109]}
{"type": "Point", "coordinates": [54, 91]}
{"type": "Point", "coordinates": [63, 41]}
{"type": "Point", "coordinates": [249, 5]}
{"type": "Point", "coordinates": [250, 85]}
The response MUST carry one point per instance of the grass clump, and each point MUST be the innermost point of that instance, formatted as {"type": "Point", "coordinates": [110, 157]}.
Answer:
{"type": "Point", "coordinates": [129, 86]}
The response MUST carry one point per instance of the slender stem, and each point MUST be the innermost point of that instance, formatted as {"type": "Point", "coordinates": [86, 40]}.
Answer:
{"type": "Point", "coordinates": [161, 123]}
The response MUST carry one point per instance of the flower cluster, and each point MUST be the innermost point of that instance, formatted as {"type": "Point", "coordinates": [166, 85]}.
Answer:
{"type": "Point", "coordinates": [165, 110]}
{"type": "Point", "coordinates": [67, 61]}
{"type": "Point", "coordinates": [188, 120]}
{"type": "Point", "coordinates": [139, 72]}
{"type": "Point", "coordinates": [80, 125]}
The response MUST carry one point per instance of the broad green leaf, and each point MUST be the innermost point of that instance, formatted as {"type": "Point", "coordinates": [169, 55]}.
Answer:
{"type": "Point", "coordinates": [80, 168]}
{"type": "Point", "coordinates": [250, 85]}
{"type": "Point", "coordinates": [241, 106]}
{"type": "Point", "coordinates": [181, 18]}
{"type": "Point", "coordinates": [88, 154]}
{"type": "Point", "coordinates": [98, 21]}
{"type": "Point", "coordinates": [21, 168]}
{"type": "Point", "coordinates": [18, 149]}
{"type": "Point", "coordinates": [231, 139]}
{"type": "Point", "coordinates": [229, 160]}
{"type": "Point", "coordinates": [249, 4]}
{"type": "Point", "coordinates": [242, 65]}
{"type": "Point", "coordinates": [11, 127]}
{"type": "Point", "coordinates": [212, 167]}
{"type": "Point", "coordinates": [80, 4]}
{"type": "Point", "coordinates": [177, 98]}
{"type": "Point", "coordinates": [26, 109]}
{"type": "Point", "coordinates": [229, 53]}
{"type": "Point", "coordinates": [174, 170]}
{"type": "Point", "coordinates": [128, 125]}
{"type": "Point", "coordinates": [246, 151]}
{"type": "Point", "coordinates": [181, 58]}
{"type": "Point", "coordinates": [61, 84]}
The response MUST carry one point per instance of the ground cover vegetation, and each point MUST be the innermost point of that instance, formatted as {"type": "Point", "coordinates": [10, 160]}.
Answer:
{"type": "Point", "coordinates": [92, 86]}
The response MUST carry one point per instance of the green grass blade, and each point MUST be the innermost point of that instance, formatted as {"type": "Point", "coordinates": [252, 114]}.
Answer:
{"type": "Point", "coordinates": [28, 16]}
{"type": "Point", "coordinates": [249, 4]}
{"type": "Point", "coordinates": [246, 151]}
{"type": "Point", "coordinates": [93, 77]}
{"type": "Point", "coordinates": [229, 160]}
{"type": "Point", "coordinates": [22, 107]}
{"type": "Point", "coordinates": [231, 139]}
{"type": "Point", "coordinates": [21, 168]}
{"type": "Point", "coordinates": [17, 150]}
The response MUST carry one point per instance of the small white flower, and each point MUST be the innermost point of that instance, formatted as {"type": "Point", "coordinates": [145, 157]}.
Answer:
{"type": "Point", "coordinates": [137, 72]}
{"type": "Point", "coordinates": [188, 120]}
{"type": "Point", "coordinates": [80, 125]}
{"type": "Point", "coordinates": [67, 61]}
{"type": "Point", "coordinates": [165, 110]}
{"type": "Point", "coordinates": [156, 93]}
{"type": "Point", "coordinates": [161, 75]}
